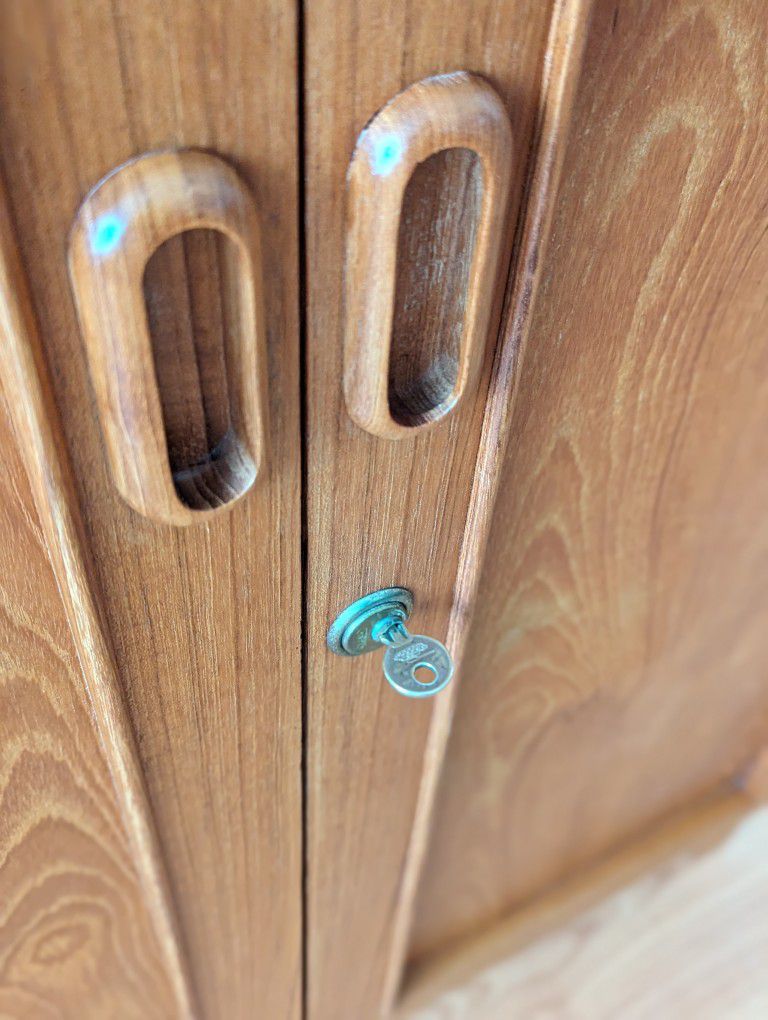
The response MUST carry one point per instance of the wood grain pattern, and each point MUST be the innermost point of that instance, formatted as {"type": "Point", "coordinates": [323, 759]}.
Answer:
{"type": "Point", "coordinates": [123, 221]}
{"type": "Point", "coordinates": [205, 621]}
{"type": "Point", "coordinates": [562, 66]}
{"type": "Point", "coordinates": [618, 663]}
{"type": "Point", "coordinates": [366, 745]}
{"type": "Point", "coordinates": [76, 939]}
{"type": "Point", "coordinates": [431, 275]}
{"type": "Point", "coordinates": [86, 923]}
{"type": "Point", "coordinates": [675, 925]}
{"type": "Point", "coordinates": [446, 112]}
{"type": "Point", "coordinates": [192, 291]}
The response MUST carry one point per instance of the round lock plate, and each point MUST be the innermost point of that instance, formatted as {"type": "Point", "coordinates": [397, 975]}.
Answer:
{"type": "Point", "coordinates": [350, 632]}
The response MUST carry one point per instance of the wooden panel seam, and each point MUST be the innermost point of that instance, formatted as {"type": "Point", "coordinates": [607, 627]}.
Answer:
{"type": "Point", "coordinates": [35, 420]}
{"type": "Point", "coordinates": [562, 65]}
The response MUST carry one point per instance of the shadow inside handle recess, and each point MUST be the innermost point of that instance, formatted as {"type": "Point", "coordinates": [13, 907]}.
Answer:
{"type": "Point", "coordinates": [192, 294]}
{"type": "Point", "coordinates": [438, 226]}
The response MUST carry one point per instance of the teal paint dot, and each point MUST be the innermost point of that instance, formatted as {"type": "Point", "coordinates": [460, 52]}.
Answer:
{"type": "Point", "coordinates": [106, 233]}
{"type": "Point", "coordinates": [387, 153]}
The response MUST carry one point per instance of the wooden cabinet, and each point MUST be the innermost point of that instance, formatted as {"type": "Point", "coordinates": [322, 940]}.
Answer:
{"type": "Point", "coordinates": [501, 341]}
{"type": "Point", "coordinates": [203, 622]}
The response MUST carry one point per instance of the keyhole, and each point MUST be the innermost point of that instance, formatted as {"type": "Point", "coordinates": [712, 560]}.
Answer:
{"type": "Point", "coordinates": [424, 673]}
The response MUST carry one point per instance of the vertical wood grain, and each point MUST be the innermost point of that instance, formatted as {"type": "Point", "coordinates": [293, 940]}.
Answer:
{"type": "Point", "coordinates": [76, 938]}
{"type": "Point", "coordinates": [432, 266]}
{"type": "Point", "coordinates": [87, 927]}
{"type": "Point", "coordinates": [561, 71]}
{"type": "Point", "coordinates": [617, 666]}
{"type": "Point", "coordinates": [379, 513]}
{"type": "Point", "coordinates": [206, 624]}
{"type": "Point", "coordinates": [190, 339]}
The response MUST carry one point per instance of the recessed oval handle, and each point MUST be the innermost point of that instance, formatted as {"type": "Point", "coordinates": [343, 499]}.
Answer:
{"type": "Point", "coordinates": [459, 115]}
{"type": "Point", "coordinates": [121, 224]}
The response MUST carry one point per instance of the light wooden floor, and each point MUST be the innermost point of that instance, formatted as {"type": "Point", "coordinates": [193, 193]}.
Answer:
{"type": "Point", "coordinates": [686, 939]}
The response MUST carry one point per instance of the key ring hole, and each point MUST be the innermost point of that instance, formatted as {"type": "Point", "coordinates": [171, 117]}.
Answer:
{"type": "Point", "coordinates": [424, 673]}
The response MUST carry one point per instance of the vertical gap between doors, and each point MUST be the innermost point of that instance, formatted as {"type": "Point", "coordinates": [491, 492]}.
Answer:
{"type": "Point", "coordinates": [303, 420]}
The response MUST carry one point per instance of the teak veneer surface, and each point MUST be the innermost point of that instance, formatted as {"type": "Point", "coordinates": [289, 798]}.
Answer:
{"type": "Point", "coordinates": [618, 665]}
{"type": "Point", "coordinates": [205, 620]}
{"type": "Point", "coordinates": [381, 512]}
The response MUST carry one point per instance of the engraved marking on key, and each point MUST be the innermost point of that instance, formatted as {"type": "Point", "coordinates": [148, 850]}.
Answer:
{"type": "Point", "coordinates": [410, 652]}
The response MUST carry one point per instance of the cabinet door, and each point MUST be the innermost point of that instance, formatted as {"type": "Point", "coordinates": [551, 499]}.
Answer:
{"type": "Point", "coordinates": [205, 619]}
{"type": "Point", "coordinates": [617, 668]}
{"type": "Point", "coordinates": [383, 511]}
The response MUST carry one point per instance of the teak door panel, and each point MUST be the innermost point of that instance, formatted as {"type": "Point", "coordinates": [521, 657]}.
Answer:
{"type": "Point", "coordinates": [382, 512]}
{"type": "Point", "coordinates": [205, 620]}
{"type": "Point", "coordinates": [76, 939]}
{"type": "Point", "coordinates": [618, 661]}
